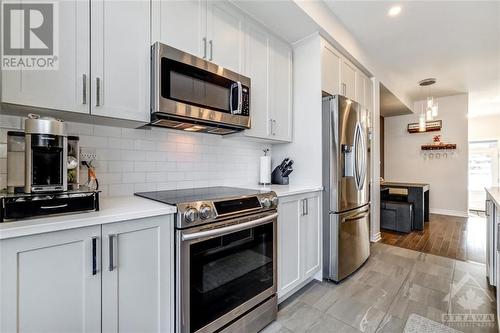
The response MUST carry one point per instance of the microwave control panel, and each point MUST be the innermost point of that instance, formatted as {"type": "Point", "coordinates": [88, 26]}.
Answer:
{"type": "Point", "coordinates": [245, 102]}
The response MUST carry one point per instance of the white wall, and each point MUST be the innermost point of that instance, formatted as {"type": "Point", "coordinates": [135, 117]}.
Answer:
{"type": "Point", "coordinates": [404, 161]}
{"type": "Point", "coordinates": [484, 128]}
{"type": "Point", "coordinates": [134, 160]}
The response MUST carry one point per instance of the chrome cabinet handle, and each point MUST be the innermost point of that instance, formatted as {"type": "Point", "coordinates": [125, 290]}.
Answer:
{"type": "Point", "coordinates": [84, 91]}
{"type": "Point", "coordinates": [211, 44]}
{"type": "Point", "coordinates": [54, 207]}
{"type": "Point", "coordinates": [486, 207]}
{"type": "Point", "coordinates": [228, 229]}
{"type": "Point", "coordinates": [307, 206]}
{"type": "Point", "coordinates": [274, 126]}
{"type": "Point", "coordinates": [98, 91]}
{"type": "Point", "coordinates": [204, 47]}
{"type": "Point", "coordinates": [271, 126]}
{"type": "Point", "coordinates": [93, 255]}
{"type": "Point", "coordinates": [303, 207]}
{"type": "Point", "coordinates": [112, 252]}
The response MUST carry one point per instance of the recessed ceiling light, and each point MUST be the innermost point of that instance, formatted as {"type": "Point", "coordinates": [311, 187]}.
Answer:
{"type": "Point", "coordinates": [394, 11]}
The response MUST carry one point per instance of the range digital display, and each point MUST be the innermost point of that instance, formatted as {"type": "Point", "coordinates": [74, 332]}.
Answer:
{"type": "Point", "coordinates": [236, 205]}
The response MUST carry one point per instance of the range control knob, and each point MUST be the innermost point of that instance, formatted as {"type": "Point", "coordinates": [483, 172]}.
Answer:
{"type": "Point", "coordinates": [265, 202]}
{"type": "Point", "coordinates": [190, 215]}
{"type": "Point", "coordinates": [205, 212]}
{"type": "Point", "coordinates": [274, 200]}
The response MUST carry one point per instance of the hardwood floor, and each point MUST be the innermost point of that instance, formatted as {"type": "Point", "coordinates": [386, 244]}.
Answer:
{"type": "Point", "coordinates": [448, 236]}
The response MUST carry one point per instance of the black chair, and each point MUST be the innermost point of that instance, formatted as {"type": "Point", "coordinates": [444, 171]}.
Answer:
{"type": "Point", "coordinates": [396, 216]}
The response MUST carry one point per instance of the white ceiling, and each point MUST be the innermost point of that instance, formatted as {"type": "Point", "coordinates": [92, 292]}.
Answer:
{"type": "Point", "coordinates": [457, 42]}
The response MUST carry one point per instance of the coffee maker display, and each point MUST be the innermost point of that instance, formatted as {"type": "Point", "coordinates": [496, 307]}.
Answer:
{"type": "Point", "coordinates": [46, 155]}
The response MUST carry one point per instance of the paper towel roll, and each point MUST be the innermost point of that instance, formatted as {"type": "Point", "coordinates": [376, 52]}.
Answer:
{"type": "Point", "coordinates": [265, 170]}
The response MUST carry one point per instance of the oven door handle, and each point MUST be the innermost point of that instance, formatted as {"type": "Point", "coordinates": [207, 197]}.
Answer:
{"type": "Point", "coordinates": [231, 228]}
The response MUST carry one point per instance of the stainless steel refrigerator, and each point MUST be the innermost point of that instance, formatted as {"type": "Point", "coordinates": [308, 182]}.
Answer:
{"type": "Point", "coordinates": [346, 200]}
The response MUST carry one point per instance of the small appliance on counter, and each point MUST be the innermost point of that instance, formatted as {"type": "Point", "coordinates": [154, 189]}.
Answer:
{"type": "Point", "coordinates": [42, 163]}
{"type": "Point", "coordinates": [28, 205]}
{"type": "Point", "coordinates": [46, 155]}
{"type": "Point", "coordinates": [281, 172]}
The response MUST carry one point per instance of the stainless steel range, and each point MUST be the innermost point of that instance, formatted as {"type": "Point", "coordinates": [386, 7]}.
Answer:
{"type": "Point", "coordinates": [225, 258]}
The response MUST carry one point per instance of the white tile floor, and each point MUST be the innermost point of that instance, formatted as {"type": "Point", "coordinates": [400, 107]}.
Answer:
{"type": "Point", "coordinates": [392, 284]}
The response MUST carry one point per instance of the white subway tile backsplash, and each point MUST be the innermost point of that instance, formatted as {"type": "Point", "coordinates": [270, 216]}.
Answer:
{"type": "Point", "coordinates": [138, 160]}
{"type": "Point", "coordinates": [144, 166]}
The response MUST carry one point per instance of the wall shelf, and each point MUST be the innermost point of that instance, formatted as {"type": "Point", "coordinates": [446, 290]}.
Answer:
{"type": "Point", "coordinates": [441, 146]}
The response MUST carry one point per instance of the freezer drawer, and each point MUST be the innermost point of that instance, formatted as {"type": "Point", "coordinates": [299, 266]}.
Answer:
{"type": "Point", "coordinates": [347, 243]}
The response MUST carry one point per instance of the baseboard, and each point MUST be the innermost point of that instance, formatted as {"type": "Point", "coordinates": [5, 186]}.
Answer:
{"type": "Point", "coordinates": [448, 212]}
{"type": "Point", "coordinates": [376, 238]}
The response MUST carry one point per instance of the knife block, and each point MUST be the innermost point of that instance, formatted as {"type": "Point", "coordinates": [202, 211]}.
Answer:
{"type": "Point", "coordinates": [278, 178]}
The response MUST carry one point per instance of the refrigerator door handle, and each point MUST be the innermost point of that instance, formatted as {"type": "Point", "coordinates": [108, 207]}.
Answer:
{"type": "Point", "coordinates": [363, 165]}
{"type": "Point", "coordinates": [355, 153]}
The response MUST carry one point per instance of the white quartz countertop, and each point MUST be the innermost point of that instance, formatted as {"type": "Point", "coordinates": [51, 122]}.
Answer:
{"type": "Point", "coordinates": [286, 190]}
{"type": "Point", "coordinates": [494, 192]}
{"type": "Point", "coordinates": [112, 209]}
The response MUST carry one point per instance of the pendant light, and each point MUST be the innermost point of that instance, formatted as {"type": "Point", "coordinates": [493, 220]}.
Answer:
{"type": "Point", "coordinates": [431, 108]}
{"type": "Point", "coordinates": [421, 120]}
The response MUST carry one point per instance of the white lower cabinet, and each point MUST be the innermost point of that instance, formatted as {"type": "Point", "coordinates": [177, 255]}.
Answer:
{"type": "Point", "coordinates": [52, 282]}
{"type": "Point", "coordinates": [299, 241]}
{"type": "Point", "coordinates": [137, 275]}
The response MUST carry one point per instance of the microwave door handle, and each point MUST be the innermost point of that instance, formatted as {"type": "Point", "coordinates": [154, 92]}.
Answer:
{"type": "Point", "coordinates": [238, 109]}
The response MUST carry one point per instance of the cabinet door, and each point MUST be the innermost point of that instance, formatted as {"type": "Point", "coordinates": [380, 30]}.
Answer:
{"type": "Point", "coordinates": [181, 24]}
{"type": "Point", "coordinates": [137, 279]}
{"type": "Point", "coordinates": [369, 95]}
{"type": "Point", "coordinates": [121, 47]}
{"type": "Point", "coordinates": [331, 62]}
{"type": "Point", "coordinates": [289, 243]}
{"type": "Point", "coordinates": [348, 79]}
{"type": "Point", "coordinates": [310, 233]}
{"type": "Point", "coordinates": [281, 90]}
{"type": "Point", "coordinates": [360, 89]}
{"type": "Point", "coordinates": [225, 35]}
{"type": "Point", "coordinates": [63, 89]}
{"type": "Point", "coordinates": [48, 284]}
{"type": "Point", "coordinates": [257, 69]}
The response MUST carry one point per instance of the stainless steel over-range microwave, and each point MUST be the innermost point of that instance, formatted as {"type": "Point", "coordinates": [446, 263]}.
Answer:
{"type": "Point", "coordinates": [193, 94]}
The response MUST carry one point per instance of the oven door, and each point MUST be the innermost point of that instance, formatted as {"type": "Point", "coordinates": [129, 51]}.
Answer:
{"type": "Point", "coordinates": [188, 86]}
{"type": "Point", "coordinates": [225, 271]}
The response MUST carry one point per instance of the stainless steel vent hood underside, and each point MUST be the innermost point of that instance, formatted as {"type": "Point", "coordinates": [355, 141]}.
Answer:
{"type": "Point", "coordinates": [190, 125]}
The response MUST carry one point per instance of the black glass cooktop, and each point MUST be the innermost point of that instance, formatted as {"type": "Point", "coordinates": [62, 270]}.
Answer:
{"type": "Point", "coordinates": [173, 197]}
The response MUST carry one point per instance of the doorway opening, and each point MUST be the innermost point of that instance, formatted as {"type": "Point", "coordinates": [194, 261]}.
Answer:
{"type": "Point", "coordinates": [483, 171]}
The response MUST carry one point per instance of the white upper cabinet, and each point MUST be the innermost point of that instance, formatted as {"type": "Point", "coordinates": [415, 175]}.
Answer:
{"type": "Point", "coordinates": [181, 24]}
{"type": "Point", "coordinates": [369, 95]}
{"type": "Point", "coordinates": [257, 53]}
{"type": "Point", "coordinates": [225, 36]}
{"type": "Point", "coordinates": [51, 282]}
{"type": "Point", "coordinates": [330, 74]}
{"type": "Point", "coordinates": [348, 79]}
{"type": "Point", "coordinates": [120, 69]}
{"type": "Point", "coordinates": [66, 88]}
{"type": "Point", "coordinates": [281, 91]}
